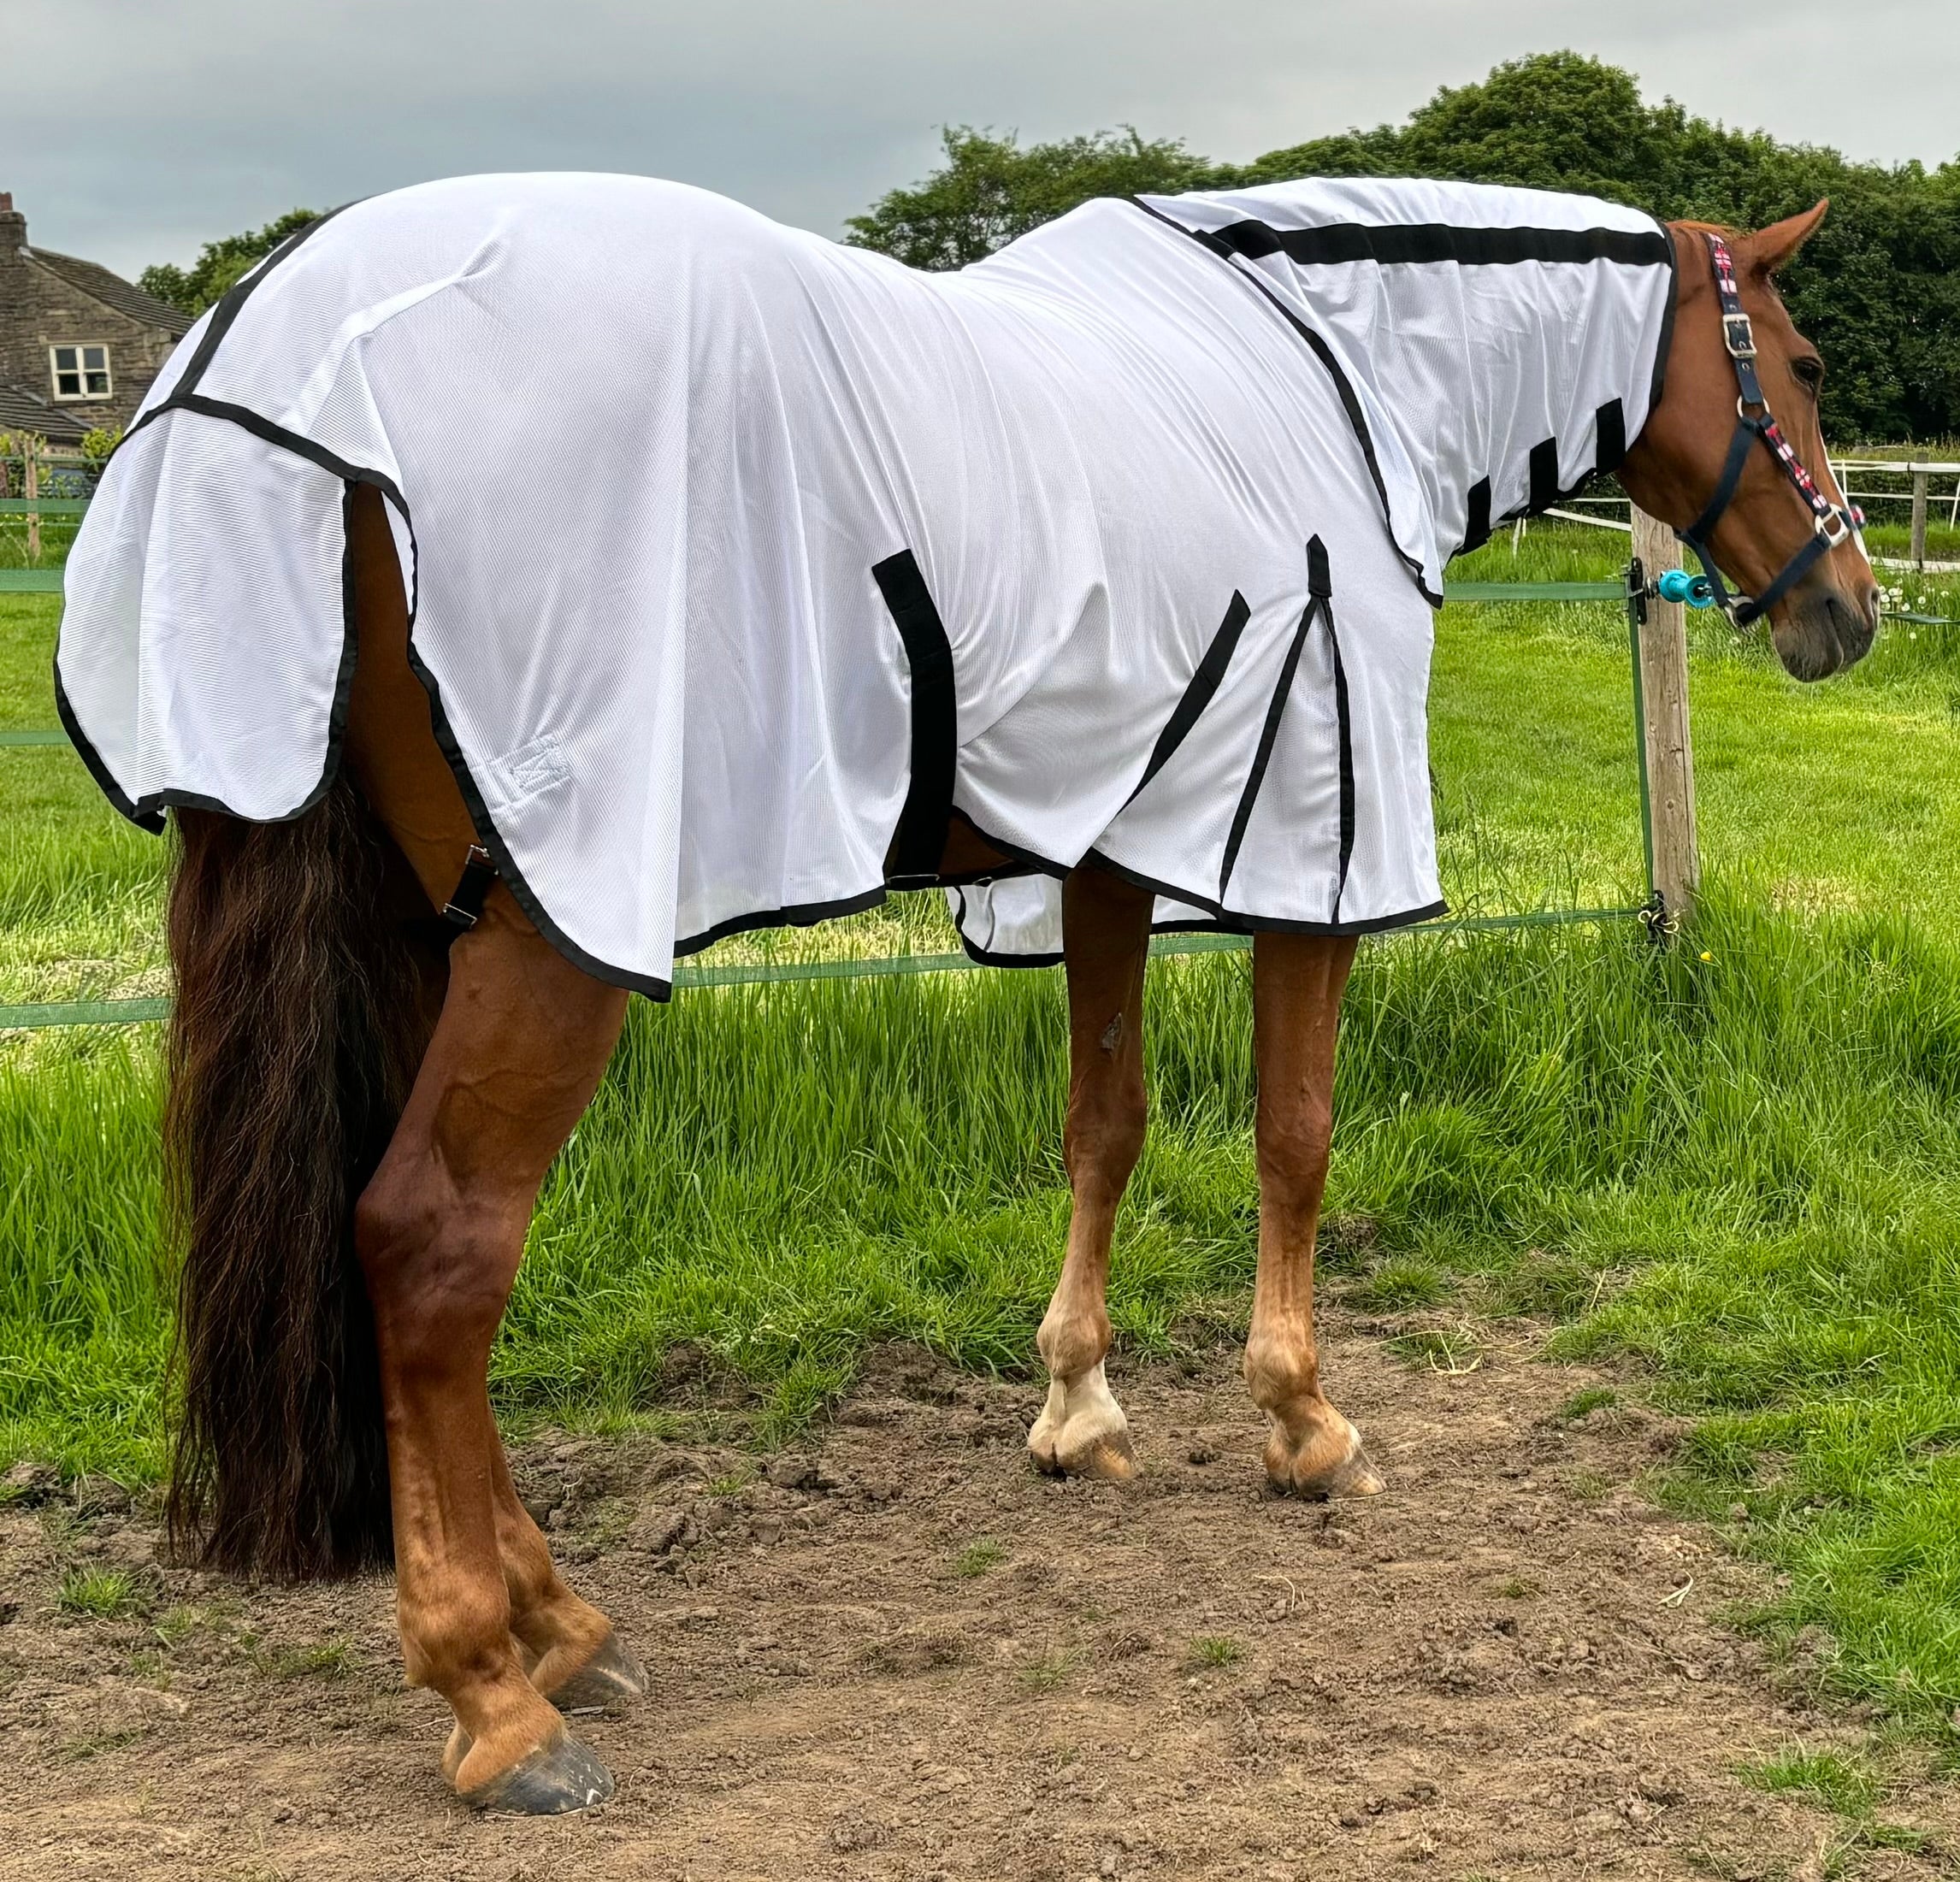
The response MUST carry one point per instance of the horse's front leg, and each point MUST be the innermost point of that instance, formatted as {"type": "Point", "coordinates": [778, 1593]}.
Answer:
{"type": "Point", "coordinates": [1106, 938]}
{"type": "Point", "coordinates": [1297, 983]}
{"type": "Point", "coordinates": [522, 1040]}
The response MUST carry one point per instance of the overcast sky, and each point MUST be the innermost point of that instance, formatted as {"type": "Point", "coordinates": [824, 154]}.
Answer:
{"type": "Point", "coordinates": [145, 127]}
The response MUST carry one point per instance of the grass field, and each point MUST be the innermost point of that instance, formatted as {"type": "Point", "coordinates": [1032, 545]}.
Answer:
{"type": "Point", "coordinates": [1740, 1162]}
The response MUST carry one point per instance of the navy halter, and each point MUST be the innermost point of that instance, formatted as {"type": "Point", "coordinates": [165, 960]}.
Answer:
{"type": "Point", "coordinates": [1832, 523]}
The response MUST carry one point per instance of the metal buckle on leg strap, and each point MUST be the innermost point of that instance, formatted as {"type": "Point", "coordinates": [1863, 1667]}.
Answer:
{"type": "Point", "coordinates": [464, 909]}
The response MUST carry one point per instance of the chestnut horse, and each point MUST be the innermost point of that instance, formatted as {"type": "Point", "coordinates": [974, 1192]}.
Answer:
{"type": "Point", "coordinates": [359, 1119]}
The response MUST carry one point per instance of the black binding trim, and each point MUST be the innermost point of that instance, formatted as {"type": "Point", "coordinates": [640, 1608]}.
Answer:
{"type": "Point", "coordinates": [1345, 724]}
{"type": "Point", "coordinates": [797, 915]}
{"type": "Point", "coordinates": [1477, 521]}
{"type": "Point", "coordinates": [147, 813]}
{"type": "Point", "coordinates": [1025, 862]}
{"type": "Point", "coordinates": [183, 394]}
{"type": "Point", "coordinates": [1199, 692]}
{"type": "Point", "coordinates": [1319, 588]}
{"type": "Point", "coordinates": [1610, 427]}
{"type": "Point", "coordinates": [1350, 403]}
{"type": "Point", "coordinates": [987, 957]}
{"type": "Point", "coordinates": [1544, 491]}
{"type": "Point", "coordinates": [1220, 924]}
{"type": "Point", "coordinates": [1268, 734]}
{"type": "Point", "coordinates": [262, 427]}
{"type": "Point", "coordinates": [1609, 452]}
{"type": "Point", "coordinates": [919, 841]}
{"type": "Point", "coordinates": [1395, 244]}
{"type": "Point", "coordinates": [1667, 339]}
{"type": "Point", "coordinates": [1227, 921]}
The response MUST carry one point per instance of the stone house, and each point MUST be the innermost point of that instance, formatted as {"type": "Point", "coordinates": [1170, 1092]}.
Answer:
{"type": "Point", "coordinates": [79, 345]}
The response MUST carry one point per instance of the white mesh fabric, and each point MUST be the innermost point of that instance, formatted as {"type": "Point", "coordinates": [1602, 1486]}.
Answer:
{"type": "Point", "coordinates": [651, 447]}
{"type": "Point", "coordinates": [1461, 369]}
{"type": "Point", "coordinates": [205, 674]}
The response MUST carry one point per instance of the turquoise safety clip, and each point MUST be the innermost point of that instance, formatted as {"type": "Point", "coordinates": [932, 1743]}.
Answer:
{"type": "Point", "coordinates": [1678, 585]}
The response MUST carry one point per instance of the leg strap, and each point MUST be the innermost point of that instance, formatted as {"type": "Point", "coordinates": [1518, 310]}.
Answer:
{"type": "Point", "coordinates": [465, 907]}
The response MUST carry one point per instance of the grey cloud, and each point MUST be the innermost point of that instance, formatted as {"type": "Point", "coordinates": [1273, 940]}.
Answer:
{"type": "Point", "coordinates": [208, 115]}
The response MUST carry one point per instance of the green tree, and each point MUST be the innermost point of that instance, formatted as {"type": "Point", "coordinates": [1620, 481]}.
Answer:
{"type": "Point", "coordinates": [1554, 122]}
{"type": "Point", "coordinates": [991, 189]}
{"type": "Point", "coordinates": [97, 445]}
{"type": "Point", "coordinates": [219, 264]}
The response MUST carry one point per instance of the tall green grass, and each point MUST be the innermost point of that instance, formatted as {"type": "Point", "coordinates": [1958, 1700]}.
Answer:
{"type": "Point", "coordinates": [1747, 1166]}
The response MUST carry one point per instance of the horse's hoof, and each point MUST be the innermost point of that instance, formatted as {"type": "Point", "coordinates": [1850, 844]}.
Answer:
{"type": "Point", "coordinates": [1108, 1457]}
{"type": "Point", "coordinates": [1310, 1471]}
{"type": "Point", "coordinates": [1356, 1476]}
{"type": "Point", "coordinates": [610, 1678]}
{"type": "Point", "coordinates": [1081, 1432]}
{"type": "Point", "coordinates": [556, 1779]}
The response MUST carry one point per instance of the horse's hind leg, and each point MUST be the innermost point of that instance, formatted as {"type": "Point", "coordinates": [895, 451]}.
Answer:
{"type": "Point", "coordinates": [576, 1659]}
{"type": "Point", "coordinates": [1106, 938]}
{"type": "Point", "coordinates": [518, 1052]}
{"type": "Point", "coordinates": [1297, 983]}
{"type": "Point", "coordinates": [520, 1042]}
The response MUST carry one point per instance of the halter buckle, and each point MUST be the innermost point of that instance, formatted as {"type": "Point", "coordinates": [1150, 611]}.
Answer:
{"type": "Point", "coordinates": [1835, 528]}
{"type": "Point", "coordinates": [1739, 336]}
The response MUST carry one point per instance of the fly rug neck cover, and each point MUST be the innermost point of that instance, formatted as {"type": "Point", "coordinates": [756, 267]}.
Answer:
{"type": "Point", "coordinates": [740, 562]}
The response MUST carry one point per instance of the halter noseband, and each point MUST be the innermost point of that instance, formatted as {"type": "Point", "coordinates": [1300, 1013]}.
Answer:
{"type": "Point", "coordinates": [1831, 524]}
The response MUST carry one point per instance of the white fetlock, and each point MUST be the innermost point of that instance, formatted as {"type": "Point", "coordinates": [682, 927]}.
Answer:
{"type": "Point", "coordinates": [1081, 1430]}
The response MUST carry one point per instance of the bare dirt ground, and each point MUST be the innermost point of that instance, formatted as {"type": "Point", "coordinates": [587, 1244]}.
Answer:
{"type": "Point", "coordinates": [898, 1654]}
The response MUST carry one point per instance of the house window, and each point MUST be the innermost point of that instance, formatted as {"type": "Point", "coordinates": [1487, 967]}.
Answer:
{"type": "Point", "coordinates": [80, 372]}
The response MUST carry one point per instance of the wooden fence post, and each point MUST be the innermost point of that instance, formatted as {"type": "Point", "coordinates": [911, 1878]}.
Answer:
{"type": "Point", "coordinates": [31, 482]}
{"type": "Point", "coordinates": [1662, 653]}
{"type": "Point", "coordinates": [1919, 519]}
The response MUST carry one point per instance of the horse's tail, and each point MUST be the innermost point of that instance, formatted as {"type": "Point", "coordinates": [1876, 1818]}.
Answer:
{"type": "Point", "coordinates": [293, 1041]}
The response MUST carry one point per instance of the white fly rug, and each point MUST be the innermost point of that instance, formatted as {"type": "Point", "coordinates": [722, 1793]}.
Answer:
{"type": "Point", "coordinates": [740, 561]}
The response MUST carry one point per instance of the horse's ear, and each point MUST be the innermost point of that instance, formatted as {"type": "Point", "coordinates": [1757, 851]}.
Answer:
{"type": "Point", "coordinates": [1770, 248]}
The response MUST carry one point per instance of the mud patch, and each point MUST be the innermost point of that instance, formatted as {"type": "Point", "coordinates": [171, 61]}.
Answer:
{"type": "Point", "coordinates": [900, 1653]}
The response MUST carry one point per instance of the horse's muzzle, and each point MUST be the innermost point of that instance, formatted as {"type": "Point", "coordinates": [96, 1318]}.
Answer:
{"type": "Point", "coordinates": [1824, 629]}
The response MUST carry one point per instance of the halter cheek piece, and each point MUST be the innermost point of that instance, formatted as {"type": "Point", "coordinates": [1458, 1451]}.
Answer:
{"type": "Point", "coordinates": [1831, 524]}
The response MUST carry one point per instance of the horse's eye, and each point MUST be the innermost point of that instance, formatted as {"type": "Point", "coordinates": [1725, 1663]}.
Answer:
{"type": "Point", "coordinates": [1809, 370]}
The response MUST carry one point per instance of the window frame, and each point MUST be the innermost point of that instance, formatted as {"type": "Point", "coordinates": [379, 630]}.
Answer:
{"type": "Point", "coordinates": [80, 372]}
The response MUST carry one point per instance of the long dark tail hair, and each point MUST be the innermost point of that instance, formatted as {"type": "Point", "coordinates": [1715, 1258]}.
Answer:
{"type": "Point", "coordinates": [297, 1030]}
